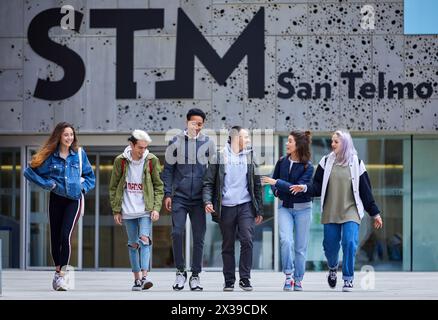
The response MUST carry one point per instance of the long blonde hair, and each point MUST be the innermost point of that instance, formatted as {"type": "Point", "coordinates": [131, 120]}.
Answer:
{"type": "Point", "coordinates": [52, 143]}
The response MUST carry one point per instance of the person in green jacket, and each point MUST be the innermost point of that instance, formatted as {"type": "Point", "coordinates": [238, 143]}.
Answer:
{"type": "Point", "coordinates": [136, 194]}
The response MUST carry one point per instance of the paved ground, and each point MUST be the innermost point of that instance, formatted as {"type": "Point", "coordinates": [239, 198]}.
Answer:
{"type": "Point", "coordinates": [35, 285]}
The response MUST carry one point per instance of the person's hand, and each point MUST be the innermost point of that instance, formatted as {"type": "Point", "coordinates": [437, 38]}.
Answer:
{"type": "Point", "coordinates": [155, 215]}
{"type": "Point", "coordinates": [296, 188]}
{"type": "Point", "coordinates": [378, 222]}
{"type": "Point", "coordinates": [258, 219]}
{"type": "Point", "coordinates": [268, 180]}
{"type": "Point", "coordinates": [118, 218]}
{"type": "Point", "coordinates": [209, 208]}
{"type": "Point", "coordinates": [168, 203]}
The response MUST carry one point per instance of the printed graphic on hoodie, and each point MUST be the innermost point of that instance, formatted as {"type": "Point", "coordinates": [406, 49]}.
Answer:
{"type": "Point", "coordinates": [133, 205]}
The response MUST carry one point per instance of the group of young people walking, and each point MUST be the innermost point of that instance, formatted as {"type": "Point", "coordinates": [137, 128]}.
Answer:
{"type": "Point", "coordinates": [198, 180]}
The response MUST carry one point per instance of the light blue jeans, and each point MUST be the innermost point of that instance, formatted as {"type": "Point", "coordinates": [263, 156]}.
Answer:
{"type": "Point", "coordinates": [348, 234]}
{"type": "Point", "coordinates": [294, 227]}
{"type": "Point", "coordinates": [139, 257]}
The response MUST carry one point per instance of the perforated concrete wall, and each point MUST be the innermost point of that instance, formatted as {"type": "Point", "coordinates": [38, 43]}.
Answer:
{"type": "Point", "coordinates": [315, 40]}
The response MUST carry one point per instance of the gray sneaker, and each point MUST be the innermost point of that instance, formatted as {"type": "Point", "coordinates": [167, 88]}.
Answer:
{"type": "Point", "coordinates": [195, 283]}
{"type": "Point", "coordinates": [180, 281]}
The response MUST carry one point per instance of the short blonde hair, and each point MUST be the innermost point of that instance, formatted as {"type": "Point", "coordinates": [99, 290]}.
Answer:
{"type": "Point", "coordinates": [139, 135]}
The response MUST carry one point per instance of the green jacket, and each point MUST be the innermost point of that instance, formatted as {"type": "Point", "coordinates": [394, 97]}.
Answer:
{"type": "Point", "coordinates": [152, 184]}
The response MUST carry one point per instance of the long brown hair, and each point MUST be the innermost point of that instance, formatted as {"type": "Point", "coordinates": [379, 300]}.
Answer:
{"type": "Point", "coordinates": [52, 143]}
{"type": "Point", "coordinates": [302, 144]}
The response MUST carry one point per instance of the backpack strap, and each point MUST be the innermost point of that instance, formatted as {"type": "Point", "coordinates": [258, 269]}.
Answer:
{"type": "Point", "coordinates": [150, 166]}
{"type": "Point", "coordinates": [80, 161]}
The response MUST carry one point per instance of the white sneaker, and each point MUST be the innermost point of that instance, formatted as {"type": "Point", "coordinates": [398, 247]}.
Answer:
{"type": "Point", "coordinates": [180, 281]}
{"type": "Point", "coordinates": [195, 283]}
{"type": "Point", "coordinates": [146, 283]}
{"type": "Point", "coordinates": [55, 279]}
{"type": "Point", "coordinates": [59, 283]}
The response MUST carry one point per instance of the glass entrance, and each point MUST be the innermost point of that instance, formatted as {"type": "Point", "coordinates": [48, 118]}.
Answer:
{"type": "Point", "coordinates": [97, 243]}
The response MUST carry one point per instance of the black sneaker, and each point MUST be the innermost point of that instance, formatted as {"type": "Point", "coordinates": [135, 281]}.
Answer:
{"type": "Point", "coordinates": [181, 278]}
{"type": "Point", "coordinates": [137, 285]}
{"type": "Point", "coordinates": [195, 283]}
{"type": "Point", "coordinates": [229, 286]}
{"type": "Point", "coordinates": [331, 278]}
{"type": "Point", "coordinates": [245, 284]}
{"type": "Point", "coordinates": [348, 286]}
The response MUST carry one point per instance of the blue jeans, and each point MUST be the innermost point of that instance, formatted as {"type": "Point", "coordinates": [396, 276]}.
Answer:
{"type": "Point", "coordinates": [294, 227]}
{"type": "Point", "coordinates": [139, 254]}
{"type": "Point", "coordinates": [348, 233]}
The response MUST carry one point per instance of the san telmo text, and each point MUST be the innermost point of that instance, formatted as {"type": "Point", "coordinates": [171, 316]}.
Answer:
{"type": "Point", "coordinates": [355, 88]}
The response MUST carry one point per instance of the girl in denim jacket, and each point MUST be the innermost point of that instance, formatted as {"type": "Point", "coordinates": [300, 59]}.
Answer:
{"type": "Point", "coordinates": [56, 167]}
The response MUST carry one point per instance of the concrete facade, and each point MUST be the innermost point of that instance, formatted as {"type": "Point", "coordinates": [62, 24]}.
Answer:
{"type": "Point", "coordinates": [316, 40]}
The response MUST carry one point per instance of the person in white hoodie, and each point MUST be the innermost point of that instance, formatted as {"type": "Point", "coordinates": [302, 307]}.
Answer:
{"type": "Point", "coordinates": [136, 194]}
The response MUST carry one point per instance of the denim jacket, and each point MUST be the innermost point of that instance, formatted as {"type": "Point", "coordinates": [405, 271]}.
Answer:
{"type": "Point", "coordinates": [61, 176]}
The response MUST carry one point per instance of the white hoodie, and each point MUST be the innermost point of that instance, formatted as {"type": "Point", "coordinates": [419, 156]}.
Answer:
{"type": "Point", "coordinates": [133, 197]}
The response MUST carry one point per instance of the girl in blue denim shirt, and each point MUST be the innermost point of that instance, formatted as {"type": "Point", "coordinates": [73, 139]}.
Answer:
{"type": "Point", "coordinates": [56, 167]}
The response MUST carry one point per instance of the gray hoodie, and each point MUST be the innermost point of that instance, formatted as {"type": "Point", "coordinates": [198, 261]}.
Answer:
{"type": "Point", "coordinates": [235, 190]}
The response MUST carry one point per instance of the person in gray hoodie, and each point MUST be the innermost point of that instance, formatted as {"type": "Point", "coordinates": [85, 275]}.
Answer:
{"type": "Point", "coordinates": [232, 193]}
{"type": "Point", "coordinates": [185, 164]}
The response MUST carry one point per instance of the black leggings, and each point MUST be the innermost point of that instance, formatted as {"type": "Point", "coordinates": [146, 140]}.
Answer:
{"type": "Point", "coordinates": [63, 215]}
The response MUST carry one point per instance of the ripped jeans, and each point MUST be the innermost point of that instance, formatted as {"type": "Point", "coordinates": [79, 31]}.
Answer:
{"type": "Point", "coordinates": [139, 250]}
